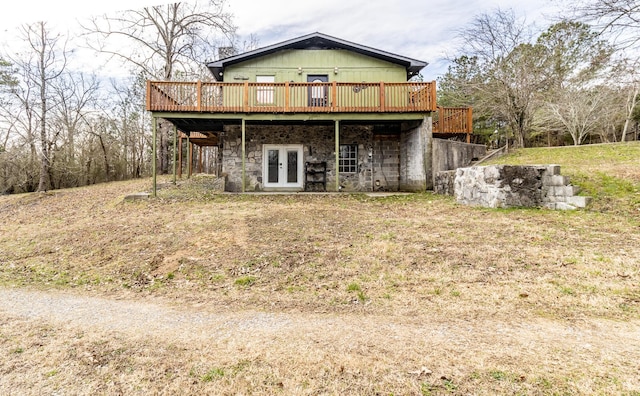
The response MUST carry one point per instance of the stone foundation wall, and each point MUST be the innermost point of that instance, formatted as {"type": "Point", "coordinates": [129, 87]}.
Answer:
{"type": "Point", "coordinates": [503, 186]}
{"type": "Point", "coordinates": [400, 160]}
{"type": "Point", "coordinates": [361, 136]}
{"type": "Point", "coordinates": [318, 145]}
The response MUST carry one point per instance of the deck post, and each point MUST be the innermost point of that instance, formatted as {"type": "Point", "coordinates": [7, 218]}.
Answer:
{"type": "Point", "coordinates": [469, 123]}
{"type": "Point", "coordinates": [244, 127]}
{"type": "Point", "coordinates": [153, 155]}
{"type": "Point", "coordinates": [199, 93]}
{"type": "Point", "coordinates": [180, 157]}
{"type": "Point", "coordinates": [337, 131]}
{"type": "Point", "coordinates": [175, 141]}
{"type": "Point", "coordinates": [189, 156]}
{"type": "Point", "coordinates": [287, 96]}
{"type": "Point", "coordinates": [334, 95]}
{"type": "Point", "coordinates": [245, 97]}
{"type": "Point", "coordinates": [434, 103]}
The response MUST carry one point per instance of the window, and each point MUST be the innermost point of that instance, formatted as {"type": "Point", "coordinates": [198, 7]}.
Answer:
{"type": "Point", "coordinates": [265, 92]}
{"type": "Point", "coordinates": [348, 158]}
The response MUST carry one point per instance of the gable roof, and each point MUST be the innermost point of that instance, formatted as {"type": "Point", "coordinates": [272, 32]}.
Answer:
{"type": "Point", "coordinates": [318, 41]}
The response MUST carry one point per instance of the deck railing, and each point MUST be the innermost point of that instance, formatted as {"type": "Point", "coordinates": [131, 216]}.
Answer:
{"type": "Point", "coordinates": [290, 97]}
{"type": "Point", "coordinates": [453, 120]}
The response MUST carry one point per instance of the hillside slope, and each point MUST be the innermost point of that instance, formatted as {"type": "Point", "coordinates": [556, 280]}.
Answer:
{"type": "Point", "coordinates": [406, 294]}
{"type": "Point", "coordinates": [610, 173]}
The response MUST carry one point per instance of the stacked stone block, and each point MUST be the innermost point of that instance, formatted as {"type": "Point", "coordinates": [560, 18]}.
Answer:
{"type": "Point", "coordinates": [558, 193]}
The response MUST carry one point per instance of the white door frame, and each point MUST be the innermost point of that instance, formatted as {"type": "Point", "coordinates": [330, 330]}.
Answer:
{"type": "Point", "coordinates": [282, 183]}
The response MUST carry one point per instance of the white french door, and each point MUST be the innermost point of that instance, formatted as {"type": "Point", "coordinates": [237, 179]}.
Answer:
{"type": "Point", "coordinates": [282, 166]}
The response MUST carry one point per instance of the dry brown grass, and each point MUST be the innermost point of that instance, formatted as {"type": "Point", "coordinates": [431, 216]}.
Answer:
{"type": "Point", "coordinates": [375, 289]}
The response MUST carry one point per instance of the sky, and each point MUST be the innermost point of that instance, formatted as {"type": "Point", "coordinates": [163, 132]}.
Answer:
{"type": "Point", "coordinates": [421, 29]}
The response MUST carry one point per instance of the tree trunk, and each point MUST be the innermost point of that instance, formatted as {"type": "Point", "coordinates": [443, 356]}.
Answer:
{"type": "Point", "coordinates": [631, 105]}
{"type": "Point", "coordinates": [107, 166]}
{"type": "Point", "coordinates": [45, 163]}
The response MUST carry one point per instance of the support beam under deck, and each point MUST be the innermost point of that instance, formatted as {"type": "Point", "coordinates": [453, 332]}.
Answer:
{"type": "Point", "coordinates": [153, 156]}
{"type": "Point", "coordinates": [337, 133]}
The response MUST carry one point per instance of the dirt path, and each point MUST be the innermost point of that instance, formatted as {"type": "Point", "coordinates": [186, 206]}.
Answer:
{"type": "Point", "coordinates": [415, 345]}
{"type": "Point", "coordinates": [134, 317]}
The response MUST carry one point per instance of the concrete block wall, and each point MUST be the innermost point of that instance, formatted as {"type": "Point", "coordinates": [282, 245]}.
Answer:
{"type": "Point", "coordinates": [451, 154]}
{"type": "Point", "coordinates": [386, 164]}
{"type": "Point", "coordinates": [558, 193]}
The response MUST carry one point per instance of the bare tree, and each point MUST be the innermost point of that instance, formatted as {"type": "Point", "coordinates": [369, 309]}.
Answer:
{"type": "Point", "coordinates": [131, 124]}
{"type": "Point", "coordinates": [619, 18]}
{"type": "Point", "coordinates": [576, 59]}
{"type": "Point", "coordinates": [492, 36]}
{"type": "Point", "coordinates": [167, 42]}
{"type": "Point", "coordinates": [631, 105]}
{"type": "Point", "coordinates": [507, 69]}
{"type": "Point", "coordinates": [627, 76]}
{"type": "Point", "coordinates": [575, 111]}
{"type": "Point", "coordinates": [7, 82]}
{"type": "Point", "coordinates": [18, 114]}
{"type": "Point", "coordinates": [620, 21]}
{"type": "Point", "coordinates": [38, 69]}
{"type": "Point", "coordinates": [76, 94]}
{"type": "Point", "coordinates": [509, 76]}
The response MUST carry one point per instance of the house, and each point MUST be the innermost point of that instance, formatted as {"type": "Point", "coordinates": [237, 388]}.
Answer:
{"type": "Point", "coordinates": [314, 113]}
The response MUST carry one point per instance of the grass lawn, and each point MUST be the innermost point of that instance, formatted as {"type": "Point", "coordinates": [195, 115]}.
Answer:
{"type": "Point", "coordinates": [408, 259]}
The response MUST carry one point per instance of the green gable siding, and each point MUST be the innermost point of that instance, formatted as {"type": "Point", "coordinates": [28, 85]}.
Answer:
{"type": "Point", "coordinates": [352, 67]}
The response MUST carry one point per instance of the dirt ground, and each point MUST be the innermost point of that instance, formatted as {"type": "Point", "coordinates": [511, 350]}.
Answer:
{"type": "Point", "coordinates": [61, 343]}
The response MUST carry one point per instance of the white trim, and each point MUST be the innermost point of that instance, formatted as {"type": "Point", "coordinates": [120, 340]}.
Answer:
{"type": "Point", "coordinates": [283, 149]}
{"type": "Point", "coordinates": [265, 94]}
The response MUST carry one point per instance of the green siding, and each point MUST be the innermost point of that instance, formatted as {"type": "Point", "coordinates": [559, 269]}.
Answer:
{"type": "Point", "coordinates": [284, 65]}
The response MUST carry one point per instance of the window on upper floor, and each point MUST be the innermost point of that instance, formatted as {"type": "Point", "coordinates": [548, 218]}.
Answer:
{"type": "Point", "coordinates": [264, 93]}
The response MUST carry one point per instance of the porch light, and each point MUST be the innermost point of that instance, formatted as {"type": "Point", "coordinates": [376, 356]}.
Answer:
{"type": "Point", "coordinates": [300, 70]}
{"type": "Point", "coordinates": [335, 70]}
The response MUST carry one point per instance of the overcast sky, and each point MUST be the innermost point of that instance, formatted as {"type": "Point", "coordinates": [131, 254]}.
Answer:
{"type": "Point", "coordinates": [420, 29]}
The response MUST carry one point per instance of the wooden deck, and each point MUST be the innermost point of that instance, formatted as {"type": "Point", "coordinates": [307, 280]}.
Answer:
{"type": "Point", "coordinates": [334, 97]}
{"type": "Point", "coordinates": [453, 120]}
{"type": "Point", "coordinates": [293, 98]}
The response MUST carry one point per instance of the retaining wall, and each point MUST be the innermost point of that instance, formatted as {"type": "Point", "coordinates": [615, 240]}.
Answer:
{"type": "Point", "coordinates": [504, 186]}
